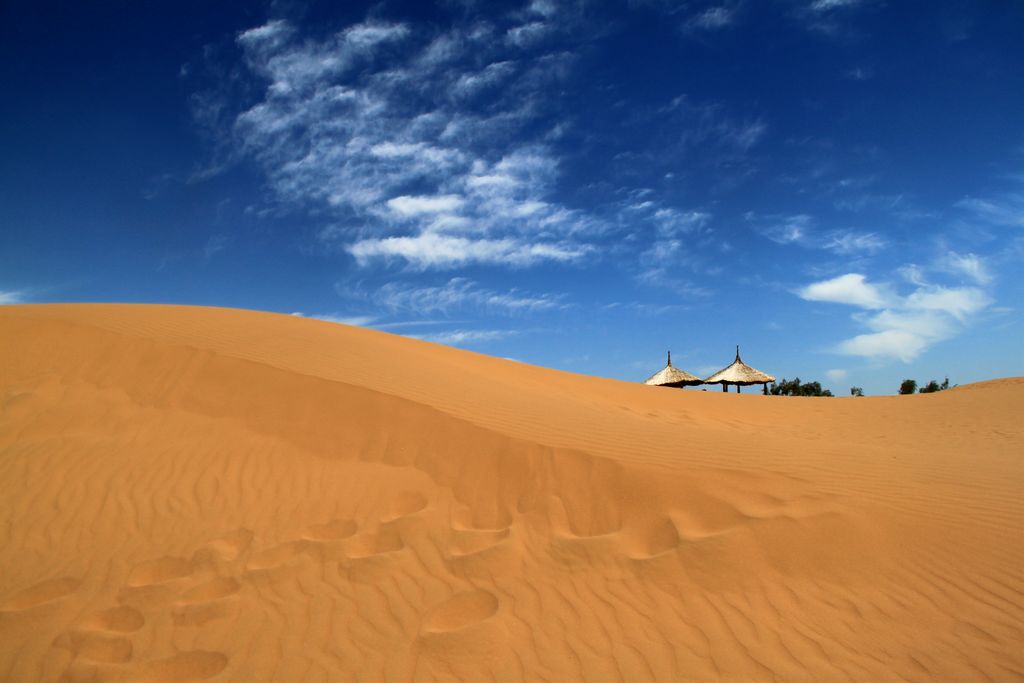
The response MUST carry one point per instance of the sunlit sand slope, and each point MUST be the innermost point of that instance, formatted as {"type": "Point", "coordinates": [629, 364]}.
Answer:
{"type": "Point", "coordinates": [202, 494]}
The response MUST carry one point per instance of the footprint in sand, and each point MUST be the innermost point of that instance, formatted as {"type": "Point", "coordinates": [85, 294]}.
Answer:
{"type": "Point", "coordinates": [277, 556]}
{"type": "Point", "coordinates": [95, 647]}
{"type": "Point", "coordinates": [199, 614]}
{"type": "Point", "coordinates": [41, 593]}
{"type": "Point", "coordinates": [407, 503]}
{"type": "Point", "coordinates": [122, 619]}
{"type": "Point", "coordinates": [205, 602]}
{"type": "Point", "coordinates": [335, 530]}
{"type": "Point", "coordinates": [461, 610]}
{"type": "Point", "coordinates": [658, 539]}
{"type": "Point", "coordinates": [466, 542]}
{"type": "Point", "coordinates": [162, 570]}
{"type": "Point", "coordinates": [214, 589]}
{"type": "Point", "coordinates": [373, 544]}
{"type": "Point", "coordinates": [464, 518]}
{"type": "Point", "coordinates": [229, 546]}
{"type": "Point", "coordinates": [197, 665]}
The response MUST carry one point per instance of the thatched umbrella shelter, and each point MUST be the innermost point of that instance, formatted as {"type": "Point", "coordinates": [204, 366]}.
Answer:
{"type": "Point", "coordinates": [739, 374]}
{"type": "Point", "coordinates": [673, 377]}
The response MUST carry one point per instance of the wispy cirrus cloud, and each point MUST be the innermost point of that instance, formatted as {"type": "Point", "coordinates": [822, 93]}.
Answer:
{"type": "Point", "coordinates": [459, 294]}
{"type": "Point", "coordinates": [708, 124]}
{"type": "Point", "coordinates": [353, 320]}
{"type": "Point", "coordinates": [712, 18]}
{"type": "Point", "coordinates": [406, 206]}
{"type": "Point", "coordinates": [971, 266]}
{"type": "Point", "coordinates": [439, 250]}
{"type": "Point", "coordinates": [800, 229]}
{"type": "Point", "coordinates": [904, 326]}
{"type": "Point", "coordinates": [793, 229]}
{"type": "Point", "coordinates": [830, 5]}
{"type": "Point", "coordinates": [437, 150]}
{"type": "Point", "coordinates": [1006, 209]}
{"type": "Point", "coordinates": [849, 242]}
{"type": "Point", "coordinates": [674, 240]}
{"type": "Point", "coordinates": [456, 337]}
{"type": "Point", "coordinates": [429, 149]}
{"type": "Point", "coordinates": [825, 16]}
{"type": "Point", "coordinates": [214, 245]}
{"type": "Point", "coordinates": [463, 337]}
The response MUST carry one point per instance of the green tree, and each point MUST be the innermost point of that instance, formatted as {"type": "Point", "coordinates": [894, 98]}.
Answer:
{"type": "Point", "coordinates": [793, 387]}
{"type": "Point", "coordinates": [934, 386]}
{"type": "Point", "coordinates": [908, 386]}
{"type": "Point", "coordinates": [856, 391]}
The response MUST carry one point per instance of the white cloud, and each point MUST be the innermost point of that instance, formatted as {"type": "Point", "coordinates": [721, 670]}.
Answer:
{"type": "Point", "coordinates": [355, 320]}
{"type": "Point", "coordinates": [823, 15]}
{"type": "Point", "coordinates": [902, 327]}
{"type": "Point", "coordinates": [433, 250]}
{"type": "Point", "coordinates": [712, 18]}
{"type": "Point", "coordinates": [859, 73]}
{"type": "Point", "coordinates": [659, 276]}
{"type": "Point", "coordinates": [850, 242]}
{"type": "Point", "coordinates": [799, 229]}
{"type": "Point", "coordinates": [293, 67]}
{"type": "Point", "coordinates": [748, 134]}
{"type": "Point", "coordinates": [458, 293]}
{"type": "Point", "coordinates": [460, 337]}
{"type": "Point", "coordinates": [406, 324]}
{"type": "Point", "coordinates": [470, 84]}
{"type": "Point", "coordinates": [368, 35]}
{"type": "Point", "coordinates": [673, 222]}
{"type": "Point", "coordinates": [829, 5]}
{"type": "Point", "coordinates": [1005, 210]}
{"type": "Point", "coordinates": [11, 297]}
{"type": "Point", "coordinates": [913, 274]}
{"type": "Point", "coordinates": [214, 246]}
{"type": "Point", "coordinates": [971, 265]}
{"type": "Point", "coordinates": [785, 229]}
{"type": "Point", "coordinates": [269, 32]}
{"type": "Point", "coordinates": [373, 123]}
{"type": "Point", "coordinates": [851, 288]}
{"type": "Point", "coordinates": [677, 237]}
{"type": "Point", "coordinates": [545, 8]}
{"type": "Point", "coordinates": [701, 123]}
{"type": "Point", "coordinates": [900, 344]}
{"type": "Point", "coordinates": [836, 375]}
{"type": "Point", "coordinates": [527, 35]}
{"type": "Point", "coordinates": [414, 206]}
{"type": "Point", "coordinates": [959, 302]}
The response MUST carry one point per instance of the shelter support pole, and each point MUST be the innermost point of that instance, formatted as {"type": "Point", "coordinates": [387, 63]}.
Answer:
{"type": "Point", "coordinates": [737, 388]}
{"type": "Point", "coordinates": [725, 387]}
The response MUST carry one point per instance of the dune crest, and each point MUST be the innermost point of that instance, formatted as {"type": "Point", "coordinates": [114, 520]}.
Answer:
{"type": "Point", "coordinates": [212, 494]}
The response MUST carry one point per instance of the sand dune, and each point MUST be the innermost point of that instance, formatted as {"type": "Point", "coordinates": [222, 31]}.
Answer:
{"type": "Point", "coordinates": [204, 494]}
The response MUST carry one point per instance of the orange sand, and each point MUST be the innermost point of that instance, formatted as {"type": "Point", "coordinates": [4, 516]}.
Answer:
{"type": "Point", "coordinates": [206, 494]}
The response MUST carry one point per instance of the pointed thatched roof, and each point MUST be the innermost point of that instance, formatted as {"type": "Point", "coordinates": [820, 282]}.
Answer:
{"type": "Point", "coordinates": [739, 373]}
{"type": "Point", "coordinates": [673, 377]}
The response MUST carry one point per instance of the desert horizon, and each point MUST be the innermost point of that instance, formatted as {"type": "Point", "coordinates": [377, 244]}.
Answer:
{"type": "Point", "coordinates": [196, 493]}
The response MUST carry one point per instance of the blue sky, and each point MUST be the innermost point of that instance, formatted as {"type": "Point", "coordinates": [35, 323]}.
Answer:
{"type": "Point", "coordinates": [835, 185]}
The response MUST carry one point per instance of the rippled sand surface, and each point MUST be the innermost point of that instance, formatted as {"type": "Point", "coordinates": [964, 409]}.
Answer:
{"type": "Point", "coordinates": [194, 494]}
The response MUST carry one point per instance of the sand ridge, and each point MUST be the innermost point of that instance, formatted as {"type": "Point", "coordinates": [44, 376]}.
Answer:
{"type": "Point", "coordinates": [194, 494]}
